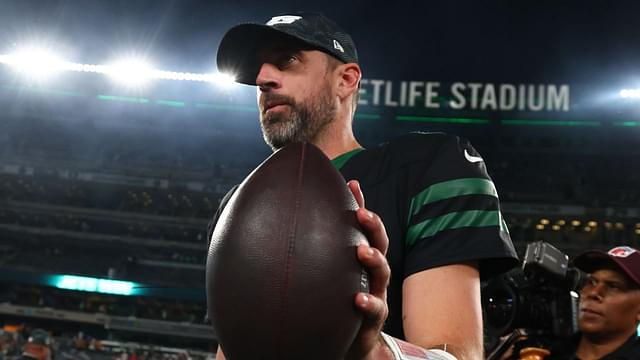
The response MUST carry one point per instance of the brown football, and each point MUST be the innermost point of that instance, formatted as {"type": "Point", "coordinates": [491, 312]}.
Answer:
{"type": "Point", "coordinates": [282, 270]}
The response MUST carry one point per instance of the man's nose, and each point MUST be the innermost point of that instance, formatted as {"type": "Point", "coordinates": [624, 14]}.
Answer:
{"type": "Point", "coordinates": [597, 290]}
{"type": "Point", "coordinates": [268, 77]}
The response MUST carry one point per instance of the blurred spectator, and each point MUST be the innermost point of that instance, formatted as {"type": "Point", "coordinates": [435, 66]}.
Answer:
{"type": "Point", "coordinates": [38, 347]}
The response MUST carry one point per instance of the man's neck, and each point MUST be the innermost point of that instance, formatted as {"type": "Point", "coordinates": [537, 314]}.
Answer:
{"type": "Point", "coordinates": [332, 151]}
{"type": "Point", "coordinates": [594, 347]}
{"type": "Point", "coordinates": [336, 140]}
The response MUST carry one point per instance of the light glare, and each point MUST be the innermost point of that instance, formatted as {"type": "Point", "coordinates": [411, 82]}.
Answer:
{"type": "Point", "coordinates": [132, 71]}
{"type": "Point", "coordinates": [223, 79]}
{"type": "Point", "coordinates": [630, 93]}
{"type": "Point", "coordinates": [34, 62]}
{"type": "Point", "coordinates": [105, 286]}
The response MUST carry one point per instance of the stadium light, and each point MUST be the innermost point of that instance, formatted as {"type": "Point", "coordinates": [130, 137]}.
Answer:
{"type": "Point", "coordinates": [132, 72]}
{"type": "Point", "coordinates": [630, 93]}
{"type": "Point", "coordinates": [35, 63]}
{"type": "Point", "coordinates": [222, 79]}
{"type": "Point", "coordinates": [40, 63]}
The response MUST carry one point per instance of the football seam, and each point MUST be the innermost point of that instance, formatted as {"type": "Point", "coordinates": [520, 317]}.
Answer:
{"type": "Point", "coordinates": [291, 244]}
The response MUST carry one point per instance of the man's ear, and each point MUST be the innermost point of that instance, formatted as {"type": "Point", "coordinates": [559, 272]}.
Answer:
{"type": "Point", "coordinates": [350, 76]}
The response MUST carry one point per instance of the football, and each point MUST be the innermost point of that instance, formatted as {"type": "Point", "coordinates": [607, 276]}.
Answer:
{"type": "Point", "coordinates": [282, 270]}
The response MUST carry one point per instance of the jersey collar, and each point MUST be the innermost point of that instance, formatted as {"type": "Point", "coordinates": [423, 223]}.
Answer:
{"type": "Point", "coordinates": [340, 160]}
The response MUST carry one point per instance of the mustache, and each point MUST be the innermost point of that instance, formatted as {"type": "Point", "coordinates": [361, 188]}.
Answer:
{"type": "Point", "coordinates": [267, 99]}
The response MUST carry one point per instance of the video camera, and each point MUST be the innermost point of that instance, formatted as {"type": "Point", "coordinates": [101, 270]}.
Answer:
{"type": "Point", "coordinates": [541, 297]}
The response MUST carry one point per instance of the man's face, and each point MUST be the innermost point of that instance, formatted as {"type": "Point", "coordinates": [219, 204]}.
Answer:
{"type": "Point", "coordinates": [295, 94]}
{"type": "Point", "coordinates": [609, 305]}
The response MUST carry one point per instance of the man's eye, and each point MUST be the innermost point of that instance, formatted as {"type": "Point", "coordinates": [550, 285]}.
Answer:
{"type": "Point", "coordinates": [287, 60]}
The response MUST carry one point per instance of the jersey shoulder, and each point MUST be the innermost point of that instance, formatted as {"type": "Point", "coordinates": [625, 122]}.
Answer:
{"type": "Point", "coordinates": [376, 163]}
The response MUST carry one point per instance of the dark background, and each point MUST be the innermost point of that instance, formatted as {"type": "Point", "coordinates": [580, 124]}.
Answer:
{"type": "Point", "coordinates": [95, 182]}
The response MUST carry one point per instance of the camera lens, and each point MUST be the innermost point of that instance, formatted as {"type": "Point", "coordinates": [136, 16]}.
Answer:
{"type": "Point", "coordinates": [499, 304]}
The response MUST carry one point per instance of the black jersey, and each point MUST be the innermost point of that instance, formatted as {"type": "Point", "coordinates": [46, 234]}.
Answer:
{"type": "Point", "coordinates": [438, 204]}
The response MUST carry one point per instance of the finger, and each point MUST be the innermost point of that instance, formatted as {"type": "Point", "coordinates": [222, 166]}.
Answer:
{"type": "Point", "coordinates": [354, 186]}
{"type": "Point", "coordinates": [373, 308]}
{"type": "Point", "coordinates": [374, 229]}
{"type": "Point", "coordinates": [378, 268]}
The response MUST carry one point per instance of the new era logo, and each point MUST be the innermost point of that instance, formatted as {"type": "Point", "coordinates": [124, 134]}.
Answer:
{"type": "Point", "coordinates": [621, 251]}
{"type": "Point", "coordinates": [284, 19]}
{"type": "Point", "coordinates": [337, 46]}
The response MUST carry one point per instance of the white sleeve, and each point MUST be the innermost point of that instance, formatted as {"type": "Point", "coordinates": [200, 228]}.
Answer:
{"type": "Point", "coordinates": [398, 354]}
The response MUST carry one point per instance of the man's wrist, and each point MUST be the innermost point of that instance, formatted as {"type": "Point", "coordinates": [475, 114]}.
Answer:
{"type": "Point", "coordinates": [392, 346]}
{"type": "Point", "coordinates": [385, 350]}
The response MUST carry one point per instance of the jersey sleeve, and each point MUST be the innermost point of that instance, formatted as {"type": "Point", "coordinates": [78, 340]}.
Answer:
{"type": "Point", "coordinates": [214, 220]}
{"type": "Point", "coordinates": [454, 213]}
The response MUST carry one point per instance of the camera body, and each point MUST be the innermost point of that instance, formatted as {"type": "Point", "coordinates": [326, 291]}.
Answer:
{"type": "Point", "coordinates": [541, 297]}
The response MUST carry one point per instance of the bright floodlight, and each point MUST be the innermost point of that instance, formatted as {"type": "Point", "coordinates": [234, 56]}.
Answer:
{"type": "Point", "coordinates": [130, 72]}
{"type": "Point", "coordinates": [222, 79]}
{"type": "Point", "coordinates": [34, 62]}
{"type": "Point", "coordinates": [630, 93]}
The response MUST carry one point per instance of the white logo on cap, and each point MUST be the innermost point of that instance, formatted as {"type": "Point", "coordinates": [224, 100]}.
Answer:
{"type": "Point", "coordinates": [284, 19]}
{"type": "Point", "coordinates": [337, 46]}
{"type": "Point", "coordinates": [621, 251]}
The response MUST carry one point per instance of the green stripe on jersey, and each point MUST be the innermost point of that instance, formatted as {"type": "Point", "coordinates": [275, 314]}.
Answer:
{"type": "Point", "coordinates": [454, 220]}
{"type": "Point", "coordinates": [450, 189]}
{"type": "Point", "coordinates": [339, 161]}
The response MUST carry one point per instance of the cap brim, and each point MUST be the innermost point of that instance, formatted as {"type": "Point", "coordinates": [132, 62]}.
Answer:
{"type": "Point", "coordinates": [238, 51]}
{"type": "Point", "coordinates": [592, 260]}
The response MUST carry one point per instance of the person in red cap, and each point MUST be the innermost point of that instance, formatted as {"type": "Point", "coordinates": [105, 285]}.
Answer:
{"type": "Point", "coordinates": [609, 306]}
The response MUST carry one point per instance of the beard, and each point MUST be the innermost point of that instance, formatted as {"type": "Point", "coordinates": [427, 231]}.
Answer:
{"type": "Point", "coordinates": [303, 121]}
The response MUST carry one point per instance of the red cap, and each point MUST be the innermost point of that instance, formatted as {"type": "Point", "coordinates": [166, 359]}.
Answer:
{"type": "Point", "coordinates": [625, 257]}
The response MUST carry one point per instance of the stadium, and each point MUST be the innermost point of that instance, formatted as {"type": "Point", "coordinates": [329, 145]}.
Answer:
{"type": "Point", "coordinates": [119, 138]}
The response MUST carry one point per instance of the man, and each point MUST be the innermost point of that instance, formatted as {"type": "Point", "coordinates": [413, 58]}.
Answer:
{"type": "Point", "coordinates": [439, 206]}
{"type": "Point", "coordinates": [609, 307]}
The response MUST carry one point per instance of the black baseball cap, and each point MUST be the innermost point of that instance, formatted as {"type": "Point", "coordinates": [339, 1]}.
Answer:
{"type": "Point", "coordinates": [238, 50]}
{"type": "Point", "coordinates": [625, 258]}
